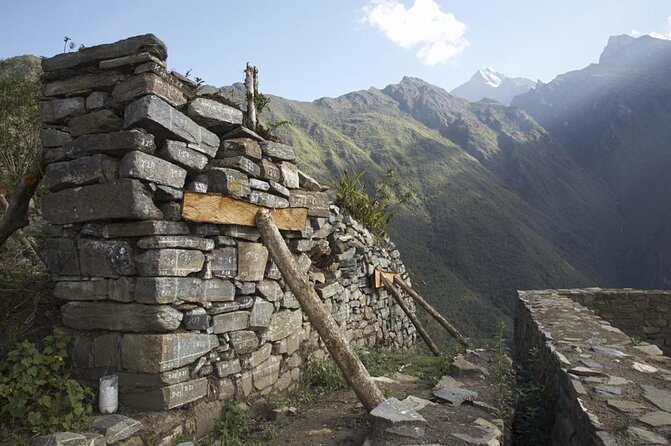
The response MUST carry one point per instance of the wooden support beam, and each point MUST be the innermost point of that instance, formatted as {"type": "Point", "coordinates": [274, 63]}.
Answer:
{"type": "Point", "coordinates": [412, 316]}
{"type": "Point", "coordinates": [432, 311]}
{"type": "Point", "coordinates": [351, 366]}
{"type": "Point", "coordinates": [377, 274]}
{"type": "Point", "coordinates": [223, 210]}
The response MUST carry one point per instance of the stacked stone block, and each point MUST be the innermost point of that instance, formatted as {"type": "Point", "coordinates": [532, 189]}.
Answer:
{"type": "Point", "coordinates": [183, 311]}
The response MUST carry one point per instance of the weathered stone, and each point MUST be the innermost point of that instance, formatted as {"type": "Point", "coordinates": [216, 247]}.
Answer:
{"type": "Point", "coordinates": [169, 262]}
{"type": "Point", "coordinates": [148, 83]}
{"type": "Point", "coordinates": [59, 110]}
{"type": "Point", "coordinates": [224, 262]}
{"type": "Point", "coordinates": [261, 314]}
{"type": "Point", "coordinates": [166, 193]}
{"type": "Point", "coordinates": [243, 341]}
{"type": "Point", "coordinates": [267, 373]}
{"type": "Point", "coordinates": [93, 55]}
{"type": "Point", "coordinates": [116, 427]}
{"type": "Point", "coordinates": [268, 200]}
{"type": "Point", "coordinates": [169, 397]}
{"type": "Point", "coordinates": [651, 349]}
{"type": "Point", "coordinates": [656, 419]}
{"type": "Point", "coordinates": [393, 421]}
{"type": "Point", "coordinates": [62, 256]}
{"type": "Point", "coordinates": [82, 84]}
{"type": "Point", "coordinates": [175, 241]}
{"type": "Point", "coordinates": [258, 184]}
{"type": "Point", "coordinates": [240, 303]}
{"type": "Point", "coordinates": [240, 163]}
{"type": "Point", "coordinates": [224, 389]}
{"type": "Point", "coordinates": [166, 122]}
{"type": "Point", "coordinates": [190, 289]}
{"type": "Point", "coordinates": [105, 258]}
{"type": "Point", "coordinates": [97, 100]}
{"type": "Point", "coordinates": [128, 380]}
{"type": "Point", "coordinates": [270, 171]}
{"type": "Point", "coordinates": [99, 121]}
{"type": "Point", "coordinates": [290, 175]}
{"type": "Point", "coordinates": [644, 368]}
{"type": "Point", "coordinates": [180, 154]}
{"type": "Point", "coordinates": [54, 138]}
{"type": "Point", "coordinates": [626, 405]}
{"type": "Point", "coordinates": [606, 351]}
{"type": "Point", "coordinates": [447, 381]}
{"type": "Point", "coordinates": [643, 436]}
{"type": "Point", "coordinates": [80, 172]}
{"type": "Point", "coordinates": [155, 353]}
{"type": "Point", "coordinates": [226, 368]}
{"type": "Point", "coordinates": [326, 291]}
{"type": "Point", "coordinates": [241, 232]}
{"type": "Point", "coordinates": [608, 390]}
{"type": "Point", "coordinates": [585, 371]}
{"type": "Point", "coordinates": [415, 403]}
{"type": "Point", "coordinates": [278, 151]}
{"type": "Point", "coordinates": [658, 397]}
{"type": "Point", "coordinates": [69, 439]}
{"type": "Point", "coordinates": [123, 198]}
{"type": "Point", "coordinates": [307, 182]}
{"type": "Point", "coordinates": [142, 166]}
{"type": "Point", "coordinates": [455, 395]}
{"type": "Point", "coordinates": [120, 317]}
{"type": "Point", "coordinates": [196, 319]}
{"type": "Point", "coordinates": [236, 320]}
{"type": "Point", "coordinates": [270, 289]}
{"type": "Point", "coordinates": [283, 323]}
{"type": "Point", "coordinates": [316, 202]}
{"type": "Point", "coordinates": [82, 290]}
{"type": "Point", "coordinates": [131, 60]}
{"type": "Point", "coordinates": [227, 181]}
{"type": "Point", "coordinates": [252, 258]}
{"type": "Point", "coordinates": [115, 144]}
{"type": "Point", "coordinates": [278, 188]}
{"type": "Point", "coordinates": [240, 147]}
{"type": "Point", "coordinates": [214, 115]}
{"type": "Point", "coordinates": [138, 229]}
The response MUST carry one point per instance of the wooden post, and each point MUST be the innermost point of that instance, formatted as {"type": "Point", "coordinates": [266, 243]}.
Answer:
{"type": "Point", "coordinates": [251, 88]}
{"type": "Point", "coordinates": [432, 311]}
{"type": "Point", "coordinates": [412, 316]}
{"type": "Point", "coordinates": [351, 366]}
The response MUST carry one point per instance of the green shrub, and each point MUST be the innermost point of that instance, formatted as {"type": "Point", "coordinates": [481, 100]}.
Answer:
{"type": "Point", "coordinates": [380, 362]}
{"type": "Point", "coordinates": [36, 391]}
{"type": "Point", "coordinates": [431, 368]}
{"type": "Point", "coordinates": [503, 372]}
{"type": "Point", "coordinates": [323, 374]}
{"type": "Point", "coordinates": [235, 423]}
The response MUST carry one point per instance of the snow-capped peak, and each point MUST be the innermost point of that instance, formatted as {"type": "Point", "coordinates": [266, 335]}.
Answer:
{"type": "Point", "coordinates": [491, 77]}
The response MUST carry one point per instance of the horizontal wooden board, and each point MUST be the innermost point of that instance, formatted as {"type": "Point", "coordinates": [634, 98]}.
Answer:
{"type": "Point", "coordinates": [377, 281]}
{"type": "Point", "coordinates": [222, 210]}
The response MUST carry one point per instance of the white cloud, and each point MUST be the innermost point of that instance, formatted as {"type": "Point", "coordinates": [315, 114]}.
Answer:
{"type": "Point", "coordinates": [655, 34]}
{"type": "Point", "coordinates": [439, 35]}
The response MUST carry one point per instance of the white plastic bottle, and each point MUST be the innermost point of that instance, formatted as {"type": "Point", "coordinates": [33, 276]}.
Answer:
{"type": "Point", "coordinates": [108, 394]}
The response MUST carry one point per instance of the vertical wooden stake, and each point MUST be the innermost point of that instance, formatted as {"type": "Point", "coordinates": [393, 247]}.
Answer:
{"type": "Point", "coordinates": [412, 316]}
{"type": "Point", "coordinates": [432, 311]}
{"type": "Point", "coordinates": [251, 89]}
{"type": "Point", "coordinates": [351, 366]}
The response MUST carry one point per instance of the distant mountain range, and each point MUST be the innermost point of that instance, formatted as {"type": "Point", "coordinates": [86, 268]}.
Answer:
{"type": "Point", "coordinates": [490, 84]}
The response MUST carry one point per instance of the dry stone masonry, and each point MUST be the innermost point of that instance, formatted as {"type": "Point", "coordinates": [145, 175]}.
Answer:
{"type": "Point", "coordinates": [186, 311]}
{"type": "Point", "coordinates": [599, 387]}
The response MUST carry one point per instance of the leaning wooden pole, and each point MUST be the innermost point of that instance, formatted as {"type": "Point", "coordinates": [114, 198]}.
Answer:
{"type": "Point", "coordinates": [412, 316]}
{"type": "Point", "coordinates": [351, 366]}
{"type": "Point", "coordinates": [432, 311]}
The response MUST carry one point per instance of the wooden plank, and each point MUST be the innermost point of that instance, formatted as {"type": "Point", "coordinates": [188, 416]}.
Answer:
{"type": "Point", "coordinates": [377, 277]}
{"type": "Point", "coordinates": [223, 210]}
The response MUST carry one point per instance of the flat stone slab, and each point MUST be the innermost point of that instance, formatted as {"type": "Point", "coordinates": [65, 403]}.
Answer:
{"type": "Point", "coordinates": [116, 427]}
{"type": "Point", "coordinates": [394, 411]}
{"type": "Point", "coordinates": [651, 349]}
{"type": "Point", "coordinates": [656, 419]}
{"type": "Point", "coordinates": [284, 323]}
{"type": "Point", "coordinates": [155, 353]}
{"type": "Point", "coordinates": [585, 371]}
{"type": "Point", "coordinates": [148, 83]}
{"type": "Point", "coordinates": [181, 154]}
{"type": "Point", "coordinates": [169, 262]}
{"type": "Point", "coordinates": [147, 167]}
{"type": "Point", "coordinates": [626, 405]}
{"type": "Point", "coordinates": [164, 290]}
{"type": "Point", "coordinates": [80, 172]}
{"type": "Point", "coordinates": [120, 317]}
{"type": "Point", "coordinates": [447, 381]}
{"type": "Point", "coordinates": [214, 115]}
{"type": "Point", "coordinates": [463, 368]}
{"type": "Point", "coordinates": [455, 395]}
{"type": "Point", "coordinates": [114, 144]}
{"type": "Point", "coordinates": [642, 436]}
{"type": "Point", "coordinates": [658, 397]}
{"type": "Point", "coordinates": [415, 403]}
{"type": "Point", "coordinates": [168, 397]}
{"type": "Point", "coordinates": [278, 151]}
{"type": "Point", "coordinates": [606, 351]}
{"type": "Point", "coordinates": [176, 241]}
{"type": "Point", "coordinates": [69, 439]}
{"type": "Point", "coordinates": [116, 199]}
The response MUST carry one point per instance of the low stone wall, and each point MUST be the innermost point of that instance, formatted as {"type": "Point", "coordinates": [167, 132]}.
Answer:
{"type": "Point", "coordinates": [184, 311]}
{"type": "Point", "coordinates": [598, 387]}
{"type": "Point", "coordinates": [642, 314]}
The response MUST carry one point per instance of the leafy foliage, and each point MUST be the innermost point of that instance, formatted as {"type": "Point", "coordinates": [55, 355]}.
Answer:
{"type": "Point", "coordinates": [36, 391]}
{"type": "Point", "coordinates": [323, 375]}
{"type": "Point", "coordinates": [235, 423]}
{"type": "Point", "coordinates": [503, 372]}
{"type": "Point", "coordinates": [431, 368]}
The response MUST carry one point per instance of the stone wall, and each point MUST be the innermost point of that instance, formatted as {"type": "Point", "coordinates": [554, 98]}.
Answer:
{"type": "Point", "coordinates": [642, 314]}
{"type": "Point", "coordinates": [599, 388]}
{"type": "Point", "coordinates": [186, 311]}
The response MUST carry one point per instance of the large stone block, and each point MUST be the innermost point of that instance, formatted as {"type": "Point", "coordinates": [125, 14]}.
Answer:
{"type": "Point", "coordinates": [261, 314]}
{"type": "Point", "coordinates": [132, 60]}
{"type": "Point", "coordinates": [123, 198]}
{"type": "Point", "coordinates": [82, 290]}
{"type": "Point", "coordinates": [58, 110]}
{"type": "Point", "coordinates": [99, 121]}
{"type": "Point", "coordinates": [214, 115]}
{"type": "Point", "coordinates": [270, 171]}
{"type": "Point", "coordinates": [54, 138]}
{"type": "Point", "coordinates": [181, 154]}
{"type": "Point", "coordinates": [105, 258]}
{"type": "Point", "coordinates": [252, 258]}
{"type": "Point", "coordinates": [270, 289]}
{"type": "Point", "coordinates": [167, 397]}
{"type": "Point", "coordinates": [136, 229]}
{"type": "Point", "coordinates": [224, 262]}
{"type": "Point", "coordinates": [169, 262]}
{"type": "Point", "coordinates": [152, 290]}
{"type": "Point", "coordinates": [237, 320]}
{"type": "Point", "coordinates": [80, 172]}
{"type": "Point", "coordinates": [243, 341]}
{"type": "Point", "coordinates": [155, 353]}
{"type": "Point", "coordinates": [176, 241]}
{"type": "Point", "coordinates": [148, 83]}
{"type": "Point", "coordinates": [283, 323]}
{"type": "Point", "coordinates": [289, 175]}
{"type": "Point", "coordinates": [82, 84]}
{"type": "Point", "coordinates": [92, 55]}
{"type": "Point", "coordinates": [166, 122]}
{"type": "Point", "coordinates": [120, 317]}
{"type": "Point", "coordinates": [281, 152]}
{"type": "Point", "coordinates": [62, 256]}
{"type": "Point", "coordinates": [115, 144]}
{"type": "Point", "coordinates": [227, 181]}
{"type": "Point", "coordinates": [316, 202]}
{"type": "Point", "coordinates": [226, 368]}
{"type": "Point", "coordinates": [142, 166]}
{"type": "Point", "coordinates": [267, 373]}
{"type": "Point", "coordinates": [244, 165]}
{"type": "Point", "coordinates": [129, 380]}
{"type": "Point", "coordinates": [268, 200]}
{"type": "Point", "coordinates": [240, 147]}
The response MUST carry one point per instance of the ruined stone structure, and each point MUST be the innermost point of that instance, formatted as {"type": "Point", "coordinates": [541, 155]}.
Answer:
{"type": "Point", "coordinates": [184, 311]}
{"type": "Point", "coordinates": [598, 387]}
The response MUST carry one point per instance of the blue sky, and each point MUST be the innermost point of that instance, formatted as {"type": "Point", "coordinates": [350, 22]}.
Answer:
{"type": "Point", "coordinates": [313, 48]}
